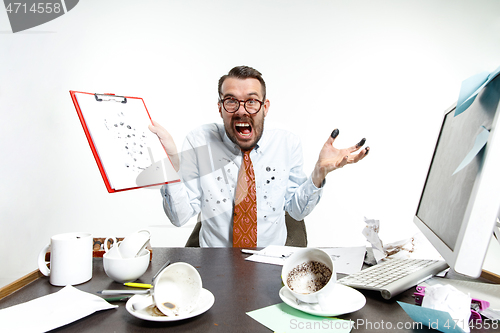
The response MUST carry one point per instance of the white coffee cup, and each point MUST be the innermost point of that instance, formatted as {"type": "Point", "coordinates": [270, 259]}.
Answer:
{"type": "Point", "coordinates": [298, 259]}
{"type": "Point", "coordinates": [134, 243]}
{"type": "Point", "coordinates": [177, 289]}
{"type": "Point", "coordinates": [70, 259]}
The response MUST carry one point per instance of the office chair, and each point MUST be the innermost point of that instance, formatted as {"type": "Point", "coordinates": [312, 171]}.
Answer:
{"type": "Point", "coordinates": [296, 233]}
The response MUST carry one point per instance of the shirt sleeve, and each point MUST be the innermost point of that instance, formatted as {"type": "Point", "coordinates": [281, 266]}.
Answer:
{"type": "Point", "coordinates": [302, 195]}
{"type": "Point", "coordinates": [181, 201]}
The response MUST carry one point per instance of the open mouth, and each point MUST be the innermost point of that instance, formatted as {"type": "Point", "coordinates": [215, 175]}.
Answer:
{"type": "Point", "coordinates": [243, 129]}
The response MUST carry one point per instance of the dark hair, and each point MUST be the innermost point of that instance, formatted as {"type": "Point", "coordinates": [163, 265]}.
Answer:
{"type": "Point", "coordinates": [244, 72]}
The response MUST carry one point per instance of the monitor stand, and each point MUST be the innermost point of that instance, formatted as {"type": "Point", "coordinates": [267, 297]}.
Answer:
{"type": "Point", "coordinates": [491, 265]}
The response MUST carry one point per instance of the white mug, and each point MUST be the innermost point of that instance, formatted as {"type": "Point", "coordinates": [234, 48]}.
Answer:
{"type": "Point", "coordinates": [70, 259]}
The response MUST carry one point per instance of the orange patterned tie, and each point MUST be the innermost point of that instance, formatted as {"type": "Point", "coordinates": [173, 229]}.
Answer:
{"type": "Point", "coordinates": [245, 206]}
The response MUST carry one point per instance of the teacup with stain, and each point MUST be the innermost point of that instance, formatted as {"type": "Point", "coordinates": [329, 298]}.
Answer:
{"type": "Point", "coordinates": [309, 274]}
{"type": "Point", "coordinates": [177, 289]}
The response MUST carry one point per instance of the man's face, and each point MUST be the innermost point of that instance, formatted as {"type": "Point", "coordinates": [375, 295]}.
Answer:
{"type": "Point", "coordinates": [242, 128]}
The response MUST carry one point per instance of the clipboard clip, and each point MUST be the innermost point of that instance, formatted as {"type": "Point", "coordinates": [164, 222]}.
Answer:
{"type": "Point", "coordinates": [110, 97]}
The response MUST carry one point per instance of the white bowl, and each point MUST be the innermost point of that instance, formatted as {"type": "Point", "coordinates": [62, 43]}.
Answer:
{"type": "Point", "coordinates": [177, 289]}
{"type": "Point", "coordinates": [126, 269]}
{"type": "Point", "coordinates": [301, 257]}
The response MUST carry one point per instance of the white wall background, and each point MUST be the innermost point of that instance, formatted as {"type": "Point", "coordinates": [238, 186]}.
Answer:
{"type": "Point", "coordinates": [385, 70]}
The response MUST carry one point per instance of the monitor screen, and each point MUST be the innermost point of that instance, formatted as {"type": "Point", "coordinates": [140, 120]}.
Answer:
{"type": "Point", "coordinates": [457, 210]}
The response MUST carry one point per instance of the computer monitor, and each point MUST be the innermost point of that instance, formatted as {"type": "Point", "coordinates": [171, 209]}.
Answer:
{"type": "Point", "coordinates": [457, 212]}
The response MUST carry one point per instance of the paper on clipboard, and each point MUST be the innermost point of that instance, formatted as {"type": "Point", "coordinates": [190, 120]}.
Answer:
{"type": "Point", "coordinates": [128, 154]}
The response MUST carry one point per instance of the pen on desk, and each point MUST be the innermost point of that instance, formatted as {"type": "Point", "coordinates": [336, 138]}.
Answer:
{"type": "Point", "coordinates": [117, 299]}
{"type": "Point", "coordinates": [138, 285]}
{"type": "Point", "coordinates": [123, 292]}
{"type": "Point", "coordinates": [259, 253]}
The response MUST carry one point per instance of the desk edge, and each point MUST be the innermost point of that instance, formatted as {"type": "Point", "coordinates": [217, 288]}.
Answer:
{"type": "Point", "coordinates": [19, 283]}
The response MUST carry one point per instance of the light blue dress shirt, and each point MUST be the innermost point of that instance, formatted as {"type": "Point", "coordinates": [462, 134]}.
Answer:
{"type": "Point", "coordinates": [209, 171]}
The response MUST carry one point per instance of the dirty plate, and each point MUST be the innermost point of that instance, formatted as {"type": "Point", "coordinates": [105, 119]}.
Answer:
{"type": "Point", "coordinates": [152, 313]}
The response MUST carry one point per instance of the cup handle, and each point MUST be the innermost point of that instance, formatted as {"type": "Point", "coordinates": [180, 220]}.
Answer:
{"type": "Point", "coordinates": [145, 231]}
{"type": "Point", "coordinates": [106, 243]}
{"type": "Point", "coordinates": [42, 264]}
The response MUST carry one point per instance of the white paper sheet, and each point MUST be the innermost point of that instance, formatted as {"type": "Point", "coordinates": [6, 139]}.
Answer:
{"type": "Point", "coordinates": [52, 311]}
{"type": "Point", "coordinates": [347, 260]}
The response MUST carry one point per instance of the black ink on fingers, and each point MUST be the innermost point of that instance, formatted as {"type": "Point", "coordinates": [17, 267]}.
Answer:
{"type": "Point", "coordinates": [335, 133]}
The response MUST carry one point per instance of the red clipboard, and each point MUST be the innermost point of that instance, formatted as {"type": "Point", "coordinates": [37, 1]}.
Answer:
{"type": "Point", "coordinates": [128, 155]}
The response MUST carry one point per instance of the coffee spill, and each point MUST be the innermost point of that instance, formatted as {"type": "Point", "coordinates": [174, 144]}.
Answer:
{"type": "Point", "coordinates": [153, 311]}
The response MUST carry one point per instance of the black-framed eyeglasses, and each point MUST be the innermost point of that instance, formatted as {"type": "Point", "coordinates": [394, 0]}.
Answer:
{"type": "Point", "coordinates": [231, 105]}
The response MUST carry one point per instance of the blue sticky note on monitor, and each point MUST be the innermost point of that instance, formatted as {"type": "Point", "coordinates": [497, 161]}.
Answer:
{"type": "Point", "coordinates": [479, 143]}
{"type": "Point", "coordinates": [435, 319]}
{"type": "Point", "coordinates": [471, 87]}
{"type": "Point", "coordinates": [469, 90]}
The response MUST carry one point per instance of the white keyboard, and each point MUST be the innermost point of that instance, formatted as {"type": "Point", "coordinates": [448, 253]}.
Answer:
{"type": "Point", "coordinates": [394, 276]}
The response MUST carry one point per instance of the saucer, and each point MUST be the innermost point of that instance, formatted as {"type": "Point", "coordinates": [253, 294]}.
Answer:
{"type": "Point", "coordinates": [152, 313]}
{"type": "Point", "coordinates": [341, 300]}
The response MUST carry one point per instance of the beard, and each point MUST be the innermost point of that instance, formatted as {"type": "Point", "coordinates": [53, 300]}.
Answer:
{"type": "Point", "coordinates": [257, 131]}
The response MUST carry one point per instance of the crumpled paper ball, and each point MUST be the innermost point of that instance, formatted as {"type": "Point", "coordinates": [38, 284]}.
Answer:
{"type": "Point", "coordinates": [450, 299]}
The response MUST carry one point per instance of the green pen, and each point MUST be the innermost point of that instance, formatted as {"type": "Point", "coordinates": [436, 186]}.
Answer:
{"type": "Point", "coordinates": [117, 299]}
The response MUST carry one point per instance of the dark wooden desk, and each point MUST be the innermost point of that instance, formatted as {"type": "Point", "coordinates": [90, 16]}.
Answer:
{"type": "Point", "coordinates": [239, 286]}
